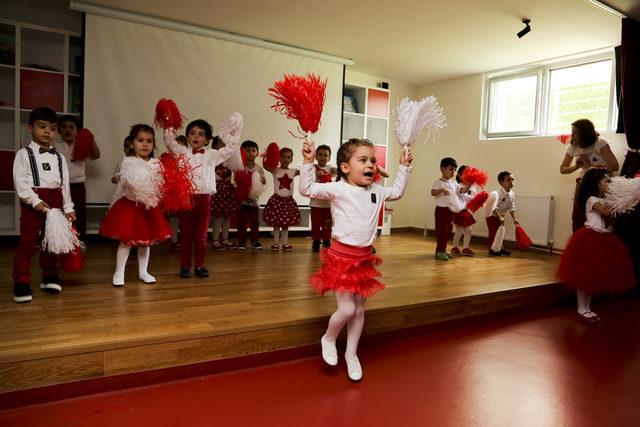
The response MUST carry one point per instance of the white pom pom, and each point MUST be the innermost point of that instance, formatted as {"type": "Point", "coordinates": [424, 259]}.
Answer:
{"type": "Point", "coordinates": [59, 235]}
{"type": "Point", "coordinates": [230, 129]}
{"type": "Point", "coordinates": [623, 194]}
{"type": "Point", "coordinates": [257, 187]}
{"type": "Point", "coordinates": [411, 117]}
{"type": "Point", "coordinates": [234, 163]}
{"type": "Point", "coordinates": [143, 179]}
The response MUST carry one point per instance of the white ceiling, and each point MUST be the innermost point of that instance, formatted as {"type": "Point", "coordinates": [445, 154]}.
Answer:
{"type": "Point", "coordinates": [416, 41]}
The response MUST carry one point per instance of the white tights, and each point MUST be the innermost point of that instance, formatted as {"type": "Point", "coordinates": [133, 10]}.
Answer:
{"type": "Point", "coordinates": [122, 254]}
{"type": "Point", "coordinates": [221, 228]}
{"type": "Point", "coordinates": [280, 235]}
{"type": "Point", "coordinates": [460, 231]}
{"type": "Point", "coordinates": [351, 312]}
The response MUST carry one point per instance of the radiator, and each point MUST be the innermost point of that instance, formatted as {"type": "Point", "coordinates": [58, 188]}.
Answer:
{"type": "Point", "coordinates": [534, 213]}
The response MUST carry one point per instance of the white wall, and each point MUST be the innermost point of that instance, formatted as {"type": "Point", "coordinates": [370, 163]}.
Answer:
{"type": "Point", "coordinates": [534, 161]}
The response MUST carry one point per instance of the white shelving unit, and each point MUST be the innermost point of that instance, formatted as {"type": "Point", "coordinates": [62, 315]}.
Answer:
{"type": "Point", "coordinates": [38, 66]}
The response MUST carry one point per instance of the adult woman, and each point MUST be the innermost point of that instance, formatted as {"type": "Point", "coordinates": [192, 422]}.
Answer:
{"type": "Point", "coordinates": [588, 150]}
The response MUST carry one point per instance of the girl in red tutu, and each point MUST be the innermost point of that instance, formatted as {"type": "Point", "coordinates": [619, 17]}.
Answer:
{"type": "Point", "coordinates": [595, 260]}
{"type": "Point", "coordinates": [135, 219]}
{"type": "Point", "coordinates": [463, 220]}
{"type": "Point", "coordinates": [224, 202]}
{"type": "Point", "coordinates": [282, 211]}
{"type": "Point", "coordinates": [348, 264]}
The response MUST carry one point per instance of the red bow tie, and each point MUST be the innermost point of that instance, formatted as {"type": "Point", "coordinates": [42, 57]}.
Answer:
{"type": "Point", "coordinates": [196, 151]}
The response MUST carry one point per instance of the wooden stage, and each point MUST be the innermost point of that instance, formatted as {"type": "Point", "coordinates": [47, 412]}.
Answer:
{"type": "Point", "coordinates": [254, 302]}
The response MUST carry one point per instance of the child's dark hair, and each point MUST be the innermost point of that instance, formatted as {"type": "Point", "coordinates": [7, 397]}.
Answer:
{"type": "Point", "coordinates": [216, 141]}
{"type": "Point", "coordinates": [286, 150]}
{"type": "Point", "coordinates": [587, 135]}
{"type": "Point", "coordinates": [589, 185]}
{"type": "Point", "coordinates": [202, 124]}
{"type": "Point", "coordinates": [460, 171]}
{"type": "Point", "coordinates": [346, 151]}
{"type": "Point", "coordinates": [249, 144]}
{"type": "Point", "coordinates": [182, 140]}
{"type": "Point", "coordinates": [448, 161]}
{"type": "Point", "coordinates": [69, 118]}
{"type": "Point", "coordinates": [43, 113]}
{"type": "Point", "coordinates": [127, 145]}
{"type": "Point", "coordinates": [325, 147]}
{"type": "Point", "coordinates": [502, 175]}
{"type": "Point", "coordinates": [135, 130]}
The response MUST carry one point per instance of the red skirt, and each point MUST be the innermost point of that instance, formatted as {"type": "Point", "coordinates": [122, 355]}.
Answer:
{"type": "Point", "coordinates": [596, 262]}
{"type": "Point", "coordinates": [281, 211]}
{"type": "Point", "coordinates": [347, 269]}
{"type": "Point", "coordinates": [224, 202]}
{"type": "Point", "coordinates": [134, 224]}
{"type": "Point", "coordinates": [464, 218]}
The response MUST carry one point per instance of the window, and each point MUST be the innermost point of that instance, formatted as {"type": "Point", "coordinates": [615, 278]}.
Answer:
{"type": "Point", "coordinates": [547, 99]}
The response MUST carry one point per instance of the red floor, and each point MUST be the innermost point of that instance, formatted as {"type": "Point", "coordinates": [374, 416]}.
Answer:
{"type": "Point", "coordinates": [541, 368]}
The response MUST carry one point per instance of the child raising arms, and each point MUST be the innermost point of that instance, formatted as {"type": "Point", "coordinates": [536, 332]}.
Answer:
{"type": "Point", "coordinates": [348, 264]}
{"type": "Point", "coordinates": [135, 219]}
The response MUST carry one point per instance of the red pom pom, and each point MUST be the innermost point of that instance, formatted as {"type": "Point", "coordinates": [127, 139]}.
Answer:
{"type": "Point", "coordinates": [167, 115]}
{"type": "Point", "coordinates": [300, 98]}
{"type": "Point", "coordinates": [177, 188]}
{"type": "Point", "coordinates": [565, 138]}
{"type": "Point", "coordinates": [243, 184]}
{"type": "Point", "coordinates": [72, 262]}
{"type": "Point", "coordinates": [476, 176]}
{"type": "Point", "coordinates": [477, 202]}
{"type": "Point", "coordinates": [271, 157]}
{"type": "Point", "coordinates": [522, 240]}
{"type": "Point", "coordinates": [84, 145]}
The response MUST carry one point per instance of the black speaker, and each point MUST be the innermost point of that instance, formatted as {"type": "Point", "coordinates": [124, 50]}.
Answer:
{"type": "Point", "coordinates": [383, 85]}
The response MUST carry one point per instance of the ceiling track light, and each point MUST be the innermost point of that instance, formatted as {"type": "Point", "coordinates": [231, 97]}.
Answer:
{"type": "Point", "coordinates": [526, 29]}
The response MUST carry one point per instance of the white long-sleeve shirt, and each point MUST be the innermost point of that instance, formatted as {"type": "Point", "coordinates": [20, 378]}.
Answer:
{"type": "Point", "coordinates": [48, 171]}
{"type": "Point", "coordinates": [202, 164]}
{"type": "Point", "coordinates": [354, 209]}
{"type": "Point", "coordinates": [501, 200]}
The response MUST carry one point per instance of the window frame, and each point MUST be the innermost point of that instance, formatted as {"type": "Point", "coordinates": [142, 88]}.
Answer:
{"type": "Point", "coordinates": [543, 71]}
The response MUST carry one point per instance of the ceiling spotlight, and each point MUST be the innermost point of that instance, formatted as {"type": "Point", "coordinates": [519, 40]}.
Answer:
{"type": "Point", "coordinates": [526, 28]}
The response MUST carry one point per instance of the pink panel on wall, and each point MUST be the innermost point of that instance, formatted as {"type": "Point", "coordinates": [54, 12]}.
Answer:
{"type": "Point", "coordinates": [41, 89]}
{"type": "Point", "coordinates": [378, 103]}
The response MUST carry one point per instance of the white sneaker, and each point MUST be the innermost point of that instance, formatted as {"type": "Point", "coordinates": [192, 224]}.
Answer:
{"type": "Point", "coordinates": [51, 288]}
{"type": "Point", "coordinates": [329, 352]}
{"type": "Point", "coordinates": [118, 279]}
{"type": "Point", "coordinates": [147, 278]}
{"type": "Point", "coordinates": [354, 369]}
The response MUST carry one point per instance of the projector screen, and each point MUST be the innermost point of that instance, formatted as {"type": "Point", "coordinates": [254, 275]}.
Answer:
{"type": "Point", "coordinates": [129, 66]}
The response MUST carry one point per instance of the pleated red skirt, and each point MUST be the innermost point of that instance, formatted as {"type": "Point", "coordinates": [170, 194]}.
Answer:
{"type": "Point", "coordinates": [464, 218]}
{"type": "Point", "coordinates": [134, 224]}
{"type": "Point", "coordinates": [347, 269]}
{"type": "Point", "coordinates": [596, 262]}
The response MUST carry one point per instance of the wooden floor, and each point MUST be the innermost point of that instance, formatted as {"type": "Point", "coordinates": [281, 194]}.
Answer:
{"type": "Point", "coordinates": [255, 301]}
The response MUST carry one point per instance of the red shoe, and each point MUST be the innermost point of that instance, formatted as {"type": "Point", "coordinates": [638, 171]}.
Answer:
{"type": "Point", "coordinates": [468, 252]}
{"type": "Point", "coordinates": [287, 248]}
{"type": "Point", "coordinates": [275, 248]}
{"type": "Point", "coordinates": [218, 246]}
{"type": "Point", "coordinates": [456, 251]}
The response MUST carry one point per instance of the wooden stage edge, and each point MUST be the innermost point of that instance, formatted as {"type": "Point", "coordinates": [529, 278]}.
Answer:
{"type": "Point", "coordinates": [52, 378]}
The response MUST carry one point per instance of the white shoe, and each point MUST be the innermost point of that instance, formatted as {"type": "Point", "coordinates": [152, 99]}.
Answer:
{"type": "Point", "coordinates": [329, 352]}
{"type": "Point", "coordinates": [354, 369]}
{"type": "Point", "coordinates": [147, 278]}
{"type": "Point", "coordinates": [51, 288]}
{"type": "Point", "coordinates": [118, 279]}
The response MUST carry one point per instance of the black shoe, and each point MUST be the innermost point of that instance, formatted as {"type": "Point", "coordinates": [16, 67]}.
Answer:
{"type": "Point", "coordinates": [494, 253]}
{"type": "Point", "coordinates": [373, 249]}
{"type": "Point", "coordinates": [202, 272]}
{"type": "Point", "coordinates": [326, 244]}
{"type": "Point", "coordinates": [51, 285]}
{"type": "Point", "coordinates": [505, 252]}
{"type": "Point", "coordinates": [22, 292]}
{"type": "Point", "coordinates": [315, 246]}
{"type": "Point", "coordinates": [256, 245]}
{"type": "Point", "coordinates": [185, 273]}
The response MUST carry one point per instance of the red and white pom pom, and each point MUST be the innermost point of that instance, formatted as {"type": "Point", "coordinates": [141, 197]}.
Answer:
{"type": "Point", "coordinates": [59, 235]}
{"type": "Point", "coordinates": [168, 115]}
{"type": "Point", "coordinates": [411, 117]}
{"type": "Point", "coordinates": [177, 186]}
{"type": "Point", "coordinates": [522, 240]}
{"type": "Point", "coordinates": [243, 181]}
{"type": "Point", "coordinates": [230, 129]}
{"type": "Point", "coordinates": [472, 175]}
{"type": "Point", "coordinates": [300, 98]}
{"type": "Point", "coordinates": [84, 145]}
{"type": "Point", "coordinates": [565, 138]}
{"type": "Point", "coordinates": [623, 194]}
{"type": "Point", "coordinates": [143, 179]}
{"type": "Point", "coordinates": [257, 187]}
{"type": "Point", "coordinates": [478, 201]}
{"type": "Point", "coordinates": [235, 162]}
{"type": "Point", "coordinates": [271, 157]}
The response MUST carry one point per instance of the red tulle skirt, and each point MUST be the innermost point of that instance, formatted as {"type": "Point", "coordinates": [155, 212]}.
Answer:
{"type": "Point", "coordinates": [464, 218]}
{"type": "Point", "coordinates": [347, 269]}
{"type": "Point", "coordinates": [596, 262]}
{"type": "Point", "coordinates": [224, 202]}
{"type": "Point", "coordinates": [281, 211]}
{"type": "Point", "coordinates": [134, 224]}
